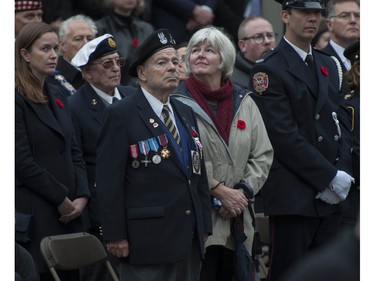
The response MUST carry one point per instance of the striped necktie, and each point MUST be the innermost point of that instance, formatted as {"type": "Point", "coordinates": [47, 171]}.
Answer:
{"type": "Point", "coordinates": [169, 123]}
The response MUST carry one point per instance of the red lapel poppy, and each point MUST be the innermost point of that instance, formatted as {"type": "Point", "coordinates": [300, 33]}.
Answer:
{"type": "Point", "coordinates": [60, 103]}
{"type": "Point", "coordinates": [324, 70]}
{"type": "Point", "coordinates": [135, 42]}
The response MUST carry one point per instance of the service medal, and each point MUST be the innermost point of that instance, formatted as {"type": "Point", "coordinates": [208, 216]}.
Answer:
{"type": "Point", "coordinates": [134, 153]}
{"type": "Point", "coordinates": [163, 140]}
{"type": "Point", "coordinates": [156, 159]}
{"type": "Point", "coordinates": [135, 164]}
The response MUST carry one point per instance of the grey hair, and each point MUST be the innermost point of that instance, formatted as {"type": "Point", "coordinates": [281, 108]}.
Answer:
{"type": "Point", "coordinates": [64, 28]}
{"type": "Point", "coordinates": [221, 41]}
{"type": "Point", "coordinates": [331, 5]}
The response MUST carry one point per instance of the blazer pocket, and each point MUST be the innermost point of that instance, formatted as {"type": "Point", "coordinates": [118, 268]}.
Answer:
{"type": "Point", "coordinates": [146, 212]}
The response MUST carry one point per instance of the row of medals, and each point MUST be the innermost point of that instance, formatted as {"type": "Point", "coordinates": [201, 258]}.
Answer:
{"type": "Point", "coordinates": [145, 147]}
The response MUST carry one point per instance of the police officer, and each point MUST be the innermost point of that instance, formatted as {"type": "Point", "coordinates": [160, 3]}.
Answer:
{"type": "Point", "coordinates": [301, 106]}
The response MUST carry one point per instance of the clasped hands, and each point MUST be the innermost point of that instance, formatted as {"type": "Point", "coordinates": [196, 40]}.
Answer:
{"type": "Point", "coordinates": [338, 189]}
{"type": "Point", "coordinates": [69, 210]}
{"type": "Point", "coordinates": [234, 201]}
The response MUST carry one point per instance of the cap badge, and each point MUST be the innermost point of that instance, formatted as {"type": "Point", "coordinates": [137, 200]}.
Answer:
{"type": "Point", "coordinates": [162, 38]}
{"type": "Point", "coordinates": [260, 82]}
{"type": "Point", "coordinates": [111, 43]}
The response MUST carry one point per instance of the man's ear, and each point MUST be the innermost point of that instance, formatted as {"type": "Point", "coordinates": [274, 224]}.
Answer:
{"type": "Point", "coordinates": [141, 73]}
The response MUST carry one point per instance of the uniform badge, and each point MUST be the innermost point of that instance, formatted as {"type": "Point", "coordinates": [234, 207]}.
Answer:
{"type": "Point", "coordinates": [196, 162]}
{"type": "Point", "coordinates": [260, 82]}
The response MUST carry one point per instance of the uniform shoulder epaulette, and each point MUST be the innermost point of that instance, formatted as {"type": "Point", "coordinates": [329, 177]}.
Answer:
{"type": "Point", "coordinates": [266, 56]}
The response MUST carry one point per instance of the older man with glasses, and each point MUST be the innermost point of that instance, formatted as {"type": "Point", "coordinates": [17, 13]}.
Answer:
{"type": "Point", "coordinates": [100, 64]}
{"type": "Point", "coordinates": [343, 21]}
{"type": "Point", "coordinates": [256, 37]}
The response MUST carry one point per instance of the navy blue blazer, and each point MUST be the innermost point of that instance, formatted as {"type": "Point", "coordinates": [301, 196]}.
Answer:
{"type": "Point", "coordinates": [48, 166]}
{"type": "Point", "coordinates": [302, 130]}
{"type": "Point", "coordinates": [87, 110]}
{"type": "Point", "coordinates": [153, 205]}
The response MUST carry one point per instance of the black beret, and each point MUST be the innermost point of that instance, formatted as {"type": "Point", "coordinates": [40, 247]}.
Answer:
{"type": "Point", "coordinates": [352, 52]}
{"type": "Point", "coordinates": [302, 4]}
{"type": "Point", "coordinates": [156, 41]}
{"type": "Point", "coordinates": [96, 48]}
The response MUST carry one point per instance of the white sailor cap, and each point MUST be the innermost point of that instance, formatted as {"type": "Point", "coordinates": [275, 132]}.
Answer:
{"type": "Point", "coordinates": [96, 48]}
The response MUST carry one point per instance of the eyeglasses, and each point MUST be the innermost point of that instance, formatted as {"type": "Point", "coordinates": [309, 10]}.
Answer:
{"type": "Point", "coordinates": [109, 63]}
{"type": "Point", "coordinates": [347, 16]}
{"type": "Point", "coordinates": [260, 38]}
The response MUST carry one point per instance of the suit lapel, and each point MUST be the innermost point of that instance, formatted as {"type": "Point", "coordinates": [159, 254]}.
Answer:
{"type": "Point", "coordinates": [94, 102]}
{"type": "Point", "coordinates": [323, 78]}
{"type": "Point", "coordinates": [52, 118]}
{"type": "Point", "coordinates": [296, 66]}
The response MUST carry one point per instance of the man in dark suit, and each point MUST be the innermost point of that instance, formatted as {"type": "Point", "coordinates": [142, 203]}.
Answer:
{"type": "Point", "coordinates": [74, 32]}
{"type": "Point", "coordinates": [154, 206]}
{"type": "Point", "coordinates": [87, 106]}
{"type": "Point", "coordinates": [302, 109]}
{"type": "Point", "coordinates": [343, 22]}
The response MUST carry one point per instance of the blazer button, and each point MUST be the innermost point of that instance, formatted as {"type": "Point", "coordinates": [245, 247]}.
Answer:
{"type": "Point", "coordinates": [320, 139]}
{"type": "Point", "coordinates": [187, 212]}
{"type": "Point", "coordinates": [336, 137]}
{"type": "Point", "coordinates": [317, 116]}
{"type": "Point", "coordinates": [189, 182]}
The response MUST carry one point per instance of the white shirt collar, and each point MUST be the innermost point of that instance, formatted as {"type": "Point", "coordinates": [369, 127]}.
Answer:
{"type": "Point", "coordinates": [105, 96]}
{"type": "Point", "coordinates": [299, 51]}
{"type": "Point", "coordinates": [157, 105]}
{"type": "Point", "coordinates": [340, 51]}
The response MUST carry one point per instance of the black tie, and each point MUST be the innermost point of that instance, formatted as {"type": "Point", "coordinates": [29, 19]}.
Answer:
{"type": "Point", "coordinates": [169, 123]}
{"type": "Point", "coordinates": [310, 63]}
{"type": "Point", "coordinates": [114, 99]}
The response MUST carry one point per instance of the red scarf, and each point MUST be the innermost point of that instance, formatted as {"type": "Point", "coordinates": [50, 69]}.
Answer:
{"type": "Point", "coordinates": [224, 98]}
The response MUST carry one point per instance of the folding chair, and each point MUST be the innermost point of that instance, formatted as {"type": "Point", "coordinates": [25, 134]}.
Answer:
{"type": "Point", "coordinates": [73, 251]}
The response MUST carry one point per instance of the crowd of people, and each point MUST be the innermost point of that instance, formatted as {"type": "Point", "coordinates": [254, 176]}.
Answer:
{"type": "Point", "coordinates": [161, 126]}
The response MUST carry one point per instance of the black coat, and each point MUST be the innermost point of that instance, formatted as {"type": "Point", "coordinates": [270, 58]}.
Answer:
{"type": "Point", "coordinates": [87, 110]}
{"type": "Point", "coordinates": [48, 166]}
{"type": "Point", "coordinates": [302, 131]}
{"type": "Point", "coordinates": [153, 206]}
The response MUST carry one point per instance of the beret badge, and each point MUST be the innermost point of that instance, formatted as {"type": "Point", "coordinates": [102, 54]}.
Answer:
{"type": "Point", "coordinates": [111, 43]}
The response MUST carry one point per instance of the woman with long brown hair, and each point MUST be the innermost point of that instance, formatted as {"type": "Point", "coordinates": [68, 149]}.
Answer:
{"type": "Point", "coordinates": [51, 182]}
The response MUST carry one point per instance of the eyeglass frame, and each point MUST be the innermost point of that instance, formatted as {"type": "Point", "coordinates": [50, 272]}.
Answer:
{"type": "Point", "coordinates": [346, 16]}
{"type": "Point", "coordinates": [274, 36]}
{"type": "Point", "coordinates": [120, 62]}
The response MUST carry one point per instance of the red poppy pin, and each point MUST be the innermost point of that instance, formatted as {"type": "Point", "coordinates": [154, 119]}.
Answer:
{"type": "Point", "coordinates": [241, 124]}
{"type": "Point", "coordinates": [60, 103]}
{"type": "Point", "coordinates": [135, 42]}
{"type": "Point", "coordinates": [324, 70]}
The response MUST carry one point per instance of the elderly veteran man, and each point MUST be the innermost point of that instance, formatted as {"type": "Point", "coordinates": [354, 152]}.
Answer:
{"type": "Point", "coordinates": [27, 12]}
{"type": "Point", "coordinates": [152, 188]}
{"type": "Point", "coordinates": [100, 64]}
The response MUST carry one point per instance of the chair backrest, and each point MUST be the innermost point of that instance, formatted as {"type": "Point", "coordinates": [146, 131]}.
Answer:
{"type": "Point", "coordinates": [72, 251]}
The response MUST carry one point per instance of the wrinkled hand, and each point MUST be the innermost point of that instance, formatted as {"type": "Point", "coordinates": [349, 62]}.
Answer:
{"type": "Point", "coordinates": [234, 202]}
{"type": "Point", "coordinates": [225, 214]}
{"type": "Point", "coordinates": [328, 196]}
{"type": "Point", "coordinates": [341, 184]}
{"type": "Point", "coordinates": [118, 248]}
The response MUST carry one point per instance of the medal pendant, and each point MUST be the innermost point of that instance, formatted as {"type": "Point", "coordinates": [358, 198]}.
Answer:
{"type": "Point", "coordinates": [156, 159]}
{"type": "Point", "coordinates": [135, 164]}
{"type": "Point", "coordinates": [165, 153]}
